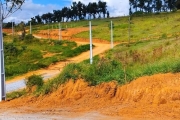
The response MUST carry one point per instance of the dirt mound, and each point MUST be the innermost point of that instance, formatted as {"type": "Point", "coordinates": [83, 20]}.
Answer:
{"type": "Point", "coordinates": [7, 30]}
{"type": "Point", "coordinates": [65, 34]}
{"type": "Point", "coordinates": [150, 97]}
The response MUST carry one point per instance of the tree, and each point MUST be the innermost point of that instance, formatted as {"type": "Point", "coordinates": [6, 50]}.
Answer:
{"type": "Point", "coordinates": [102, 8]}
{"type": "Point", "coordinates": [7, 7]}
{"type": "Point", "coordinates": [74, 10]}
{"type": "Point", "coordinates": [57, 15]}
{"type": "Point", "coordinates": [94, 8]}
{"type": "Point", "coordinates": [33, 21]}
{"type": "Point", "coordinates": [178, 4]}
{"type": "Point", "coordinates": [108, 14]}
{"type": "Point", "coordinates": [38, 19]}
{"type": "Point", "coordinates": [22, 28]}
{"type": "Point", "coordinates": [89, 10]}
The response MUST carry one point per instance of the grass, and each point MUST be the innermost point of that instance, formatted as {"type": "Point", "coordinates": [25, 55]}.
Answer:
{"type": "Point", "coordinates": [124, 63]}
{"type": "Point", "coordinates": [149, 27]}
{"type": "Point", "coordinates": [15, 94]}
{"type": "Point", "coordinates": [154, 48]}
{"type": "Point", "coordinates": [22, 56]}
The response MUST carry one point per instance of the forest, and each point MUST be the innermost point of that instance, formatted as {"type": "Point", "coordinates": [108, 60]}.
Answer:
{"type": "Point", "coordinates": [153, 6]}
{"type": "Point", "coordinates": [77, 11]}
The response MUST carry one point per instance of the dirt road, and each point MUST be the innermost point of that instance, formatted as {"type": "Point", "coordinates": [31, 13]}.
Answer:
{"type": "Point", "coordinates": [53, 70]}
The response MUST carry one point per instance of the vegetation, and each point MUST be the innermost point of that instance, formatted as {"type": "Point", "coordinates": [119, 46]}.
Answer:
{"type": "Point", "coordinates": [15, 94]}
{"type": "Point", "coordinates": [151, 6]}
{"type": "Point", "coordinates": [147, 27]}
{"type": "Point", "coordinates": [154, 48]}
{"type": "Point", "coordinates": [22, 56]}
{"type": "Point", "coordinates": [77, 11]}
{"type": "Point", "coordinates": [124, 63]}
{"type": "Point", "coordinates": [34, 80]}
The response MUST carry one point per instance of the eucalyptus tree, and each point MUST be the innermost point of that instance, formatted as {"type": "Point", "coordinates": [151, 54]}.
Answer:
{"type": "Point", "coordinates": [80, 9]}
{"type": "Point", "coordinates": [84, 11]}
{"type": "Point", "coordinates": [89, 10]}
{"type": "Point", "coordinates": [33, 21]}
{"type": "Point", "coordinates": [178, 4]}
{"type": "Point", "coordinates": [7, 7]}
{"type": "Point", "coordinates": [94, 8]}
{"type": "Point", "coordinates": [64, 13]}
{"type": "Point", "coordinates": [74, 10]}
{"type": "Point", "coordinates": [102, 8]}
{"type": "Point", "coordinates": [38, 19]}
{"type": "Point", "coordinates": [171, 4]}
{"type": "Point", "coordinates": [57, 15]}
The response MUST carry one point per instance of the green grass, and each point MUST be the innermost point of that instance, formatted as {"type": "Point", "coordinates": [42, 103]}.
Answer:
{"type": "Point", "coordinates": [124, 63]}
{"type": "Point", "coordinates": [22, 56]}
{"type": "Point", "coordinates": [154, 48]}
{"type": "Point", "coordinates": [148, 27]}
{"type": "Point", "coordinates": [15, 94]}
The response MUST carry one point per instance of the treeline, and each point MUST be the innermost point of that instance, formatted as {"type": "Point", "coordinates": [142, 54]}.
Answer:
{"type": "Point", "coordinates": [77, 11]}
{"type": "Point", "coordinates": [152, 6]}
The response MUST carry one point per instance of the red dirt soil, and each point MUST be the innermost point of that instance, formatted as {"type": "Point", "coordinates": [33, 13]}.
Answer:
{"type": "Point", "coordinates": [150, 97]}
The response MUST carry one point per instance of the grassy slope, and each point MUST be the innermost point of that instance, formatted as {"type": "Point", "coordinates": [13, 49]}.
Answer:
{"type": "Point", "coordinates": [26, 55]}
{"type": "Point", "coordinates": [158, 54]}
{"type": "Point", "coordinates": [127, 62]}
{"type": "Point", "coordinates": [148, 27]}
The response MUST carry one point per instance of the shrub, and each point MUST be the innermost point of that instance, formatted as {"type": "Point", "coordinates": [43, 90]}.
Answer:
{"type": "Point", "coordinates": [47, 61]}
{"type": "Point", "coordinates": [4, 34]}
{"type": "Point", "coordinates": [34, 80]}
{"type": "Point", "coordinates": [76, 51]}
{"type": "Point", "coordinates": [29, 37]}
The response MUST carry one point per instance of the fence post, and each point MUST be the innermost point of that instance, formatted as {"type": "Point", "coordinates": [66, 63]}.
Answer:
{"type": "Point", "coordinates": [30, 28]}
{"type": "Point", "coordinates": [90, 37]}
{"type": "Point", "coordinates": [60, 31]}
{"type": "Point", "coordinates": [112, 35]}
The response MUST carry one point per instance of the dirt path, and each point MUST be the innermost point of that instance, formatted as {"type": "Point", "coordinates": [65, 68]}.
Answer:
{"type": "Point", "coordinates": [100, 47]}
{"type": "Point", "coordinates": [155, 97]}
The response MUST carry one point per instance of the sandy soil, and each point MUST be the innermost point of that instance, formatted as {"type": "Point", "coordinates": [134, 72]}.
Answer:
{"type": "Point", "coordinates": [147, 98]}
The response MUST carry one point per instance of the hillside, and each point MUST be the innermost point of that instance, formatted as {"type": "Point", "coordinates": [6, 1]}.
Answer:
{"type": "Point", "coordinates": [136, 80]}
{"type": "Point", "coordinates": [151, 97]}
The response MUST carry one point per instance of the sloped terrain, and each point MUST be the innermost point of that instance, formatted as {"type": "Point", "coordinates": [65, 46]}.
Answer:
{"type": "Point", "coordinates": [150, 97]}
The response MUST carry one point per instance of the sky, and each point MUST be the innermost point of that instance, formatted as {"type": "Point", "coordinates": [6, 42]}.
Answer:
{"type": "Point", "coordinates": [32, 8]}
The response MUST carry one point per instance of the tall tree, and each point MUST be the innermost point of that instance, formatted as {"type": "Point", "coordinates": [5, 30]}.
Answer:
{"type": "Point", "coordinates": [38, 19]}
{"type": "Point", "coordinates": [57, 15]}
{"type": "Point", "coordinates": [102, 8]}
{"type": "Point", "coordinates": [74, 10]}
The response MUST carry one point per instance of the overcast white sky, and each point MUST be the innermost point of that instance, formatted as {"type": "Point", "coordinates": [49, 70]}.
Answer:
{"type": "Point", "coordinates": [32, 8]}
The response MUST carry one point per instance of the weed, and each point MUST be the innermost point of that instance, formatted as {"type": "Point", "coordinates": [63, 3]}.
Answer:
{"type": "Point", "coordinates": [34, 80]}
{"type": "Point", "coordinates": [15, 94]}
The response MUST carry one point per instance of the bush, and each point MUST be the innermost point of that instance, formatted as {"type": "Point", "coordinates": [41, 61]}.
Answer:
{"type": "Point", "coordinates": [4, 34]}
{"type": "Point", "coordinates": [47, 61]}
{"type": "Point", "coordinates": [29, 37]}
{"type": "Point", "coordinates": [34, 80]}
{"type": "Point", "coordinates": [76, 51]}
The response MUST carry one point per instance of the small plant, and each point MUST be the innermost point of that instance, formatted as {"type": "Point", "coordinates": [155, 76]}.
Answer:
{"type": "Point", "coordinates": [164, 36]}
{"type": "Point", "coordinates": [15, 94]}
{"type": "Point", "coordinates": [4, 34]}
{"type": "Point", "coordinates": [34, 81]}
{"type": "Point", "coordinates": [29, 37]}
